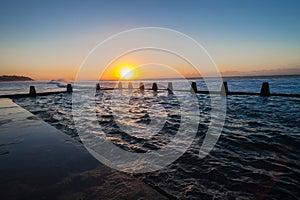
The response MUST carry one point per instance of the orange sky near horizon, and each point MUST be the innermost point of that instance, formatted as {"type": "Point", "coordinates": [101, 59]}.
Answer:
{"type": "Point", "coordinates": [149, 64]}
{"type": "Point", "coordinates": [42, 63]}
{"type": "Point", "coordinates": [141, 72]}
{"type": "Point", "coordinates": [46, 66]}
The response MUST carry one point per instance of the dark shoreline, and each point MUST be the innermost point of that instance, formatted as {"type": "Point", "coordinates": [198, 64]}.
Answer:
{"type": "Point", "coordinates": [14, 78]}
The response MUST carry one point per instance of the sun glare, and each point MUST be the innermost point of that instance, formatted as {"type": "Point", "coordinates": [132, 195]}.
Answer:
{"type": "Point", "coordinates": [126, 72]}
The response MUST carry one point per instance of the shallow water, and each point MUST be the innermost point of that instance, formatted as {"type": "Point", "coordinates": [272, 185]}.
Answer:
{"type": "Point", "coordinates": [256, 157]}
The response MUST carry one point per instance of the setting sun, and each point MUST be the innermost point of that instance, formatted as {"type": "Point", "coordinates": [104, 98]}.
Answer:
{"type": "Point", "coordinates": [126, 72]}
{"type": "Point", "coordinates": [121, 71]}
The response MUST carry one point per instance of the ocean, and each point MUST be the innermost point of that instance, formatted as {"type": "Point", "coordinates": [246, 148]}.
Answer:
{"type": "Point", "coordinates": [256, 157]}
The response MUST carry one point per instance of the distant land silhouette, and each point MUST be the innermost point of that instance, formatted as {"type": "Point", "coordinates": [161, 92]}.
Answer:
{"type": "Point", "coordinates": [6, 78]}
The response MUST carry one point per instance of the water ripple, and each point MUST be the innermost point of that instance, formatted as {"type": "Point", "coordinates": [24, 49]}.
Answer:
{"type": "Point", "coordinates": [257, 155]}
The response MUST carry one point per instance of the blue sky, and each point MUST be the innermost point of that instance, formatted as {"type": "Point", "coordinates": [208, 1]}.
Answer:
{"type": "Point", "coordinates": [241, 36]}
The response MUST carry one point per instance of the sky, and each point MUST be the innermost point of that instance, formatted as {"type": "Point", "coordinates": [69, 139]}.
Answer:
{"type": "Point", "coordinates": [50, 39]}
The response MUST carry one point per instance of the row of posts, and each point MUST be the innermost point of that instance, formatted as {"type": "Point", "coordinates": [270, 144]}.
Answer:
{"type": "Point", "coordinates": [265, 89]}
{"type": "Point", "coordinates": [32, 91]}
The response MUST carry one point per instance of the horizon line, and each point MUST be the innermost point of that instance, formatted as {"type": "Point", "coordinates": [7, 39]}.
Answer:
{"type": "Point", "coordinates": [190, 78]}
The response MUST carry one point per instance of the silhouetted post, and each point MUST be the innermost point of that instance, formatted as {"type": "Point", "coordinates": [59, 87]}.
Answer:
{"type": "Point", "coordinates": [193, 87]}
{"type": "Point", "coordinates": [265, 89]}
{"type": "Point", "coordinates": [130, 85]}
{"type": "Point", "coordinates": [224, 89]}
{"type": "Point", "coordinates": [32, 91]}
{"type": "Point", "coordinates": [154, 87]}
{"type": "Point", "coordinates": [98, 86]}
{"type": "Point", "coordinates": [170, 86]}
{"type": "Point", "coordinates": [69, 88]}
{"type": "Point", "coordinates": [142, 87]}
{"type": "Point", "coordinates": [120, 86]}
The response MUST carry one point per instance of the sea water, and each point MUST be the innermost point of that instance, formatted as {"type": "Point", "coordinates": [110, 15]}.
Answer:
{"type": "Point", "coordinates": [257, 155]}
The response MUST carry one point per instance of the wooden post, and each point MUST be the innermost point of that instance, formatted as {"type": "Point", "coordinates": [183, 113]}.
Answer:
{"type": "Point", "coordinates": [120, 86]}
{"type": "Point", "coordinates": [170, 88]}
{"type": "Point", "coordinates": [32, 91]}
{"type": "Point", "coordinates": [193, 87]}
{"type": "Point", "coordinates": [69, 88]}
{"type": "Point", "coordinates": [142, 87]}
{"type": "Point", "coordinates": [224, 89]}
{"type": "Point", "coordinates": [130, 85]}
{"type": "Point", "coordinates": [154, 87]}
{"type": "Point", "coordinates": [265, 89]}
{"type": "Point", "coordinates": [98, 86]}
